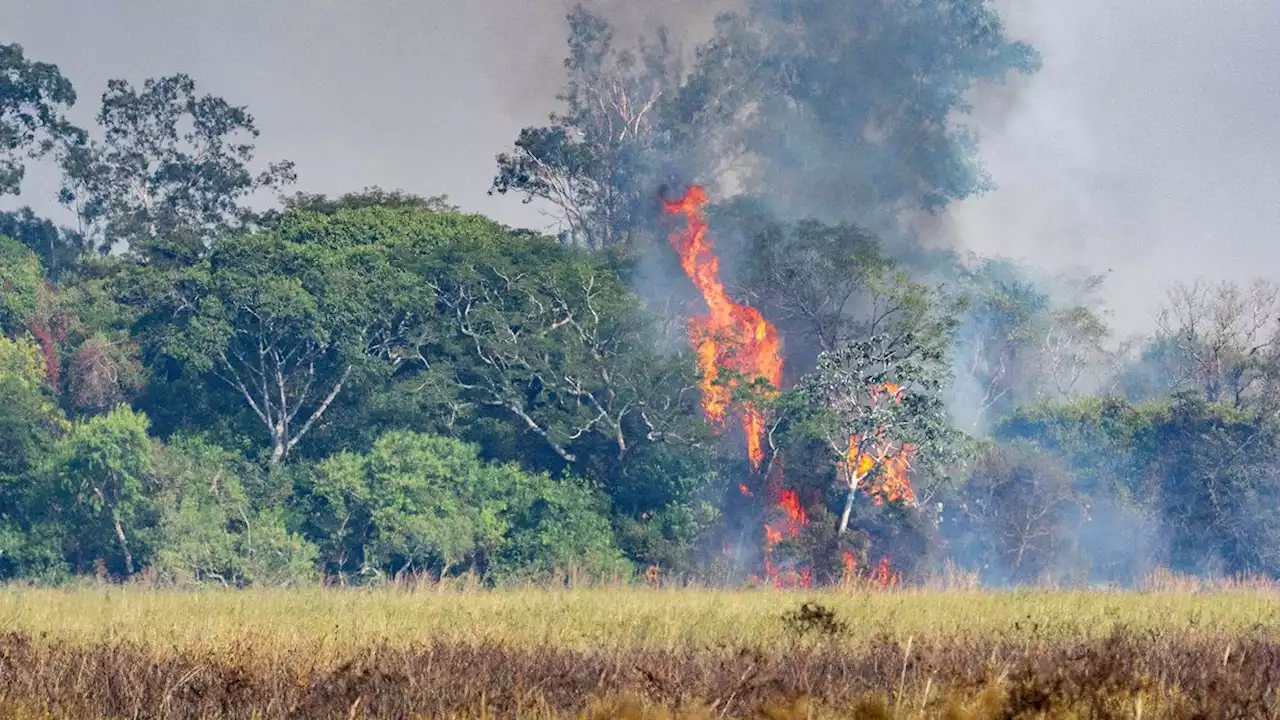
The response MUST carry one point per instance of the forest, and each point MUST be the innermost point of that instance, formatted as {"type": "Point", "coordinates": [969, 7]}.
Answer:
{"type": "Point", "coordinates": [739, 357]}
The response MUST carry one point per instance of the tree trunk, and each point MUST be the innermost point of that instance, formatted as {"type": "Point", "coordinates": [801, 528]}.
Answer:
{"type": "Point", "coordinates": [277, 451]}
{"type": "Point", "coordinates": [124, 544]}
{"type": "Point", "coordinates": [848, 509]}
{"type": "Point", "coordinates": [282, 443]}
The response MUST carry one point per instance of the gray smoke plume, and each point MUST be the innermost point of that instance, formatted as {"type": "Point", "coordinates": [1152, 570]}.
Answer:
{"type": "Point", "coordinates": [1144, 147]}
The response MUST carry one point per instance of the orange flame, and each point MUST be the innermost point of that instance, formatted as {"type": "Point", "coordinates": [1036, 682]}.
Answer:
{"type": "Point", "coordinates": [884, 575]}
{"type": "Point", "coordinates": [786, 521]}
{"type": "Point", "coordinates": [731, 336]}
{"type": "Point", "coordinates": [895, 486]}
{"type": "Point", "coordinates": [794, 519]}
{"type": "Point", "coordinates": [894, 483]}
{"type": "Point", "coordinates": [737, 338]}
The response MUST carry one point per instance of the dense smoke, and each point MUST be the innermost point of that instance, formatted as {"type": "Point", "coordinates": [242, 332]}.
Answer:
{"type": "Point", "coordinates": [1143, 142]}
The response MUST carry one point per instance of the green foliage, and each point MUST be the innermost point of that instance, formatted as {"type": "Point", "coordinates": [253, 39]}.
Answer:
{"type": "Point", "coordinates": [851, 391]}
{"type": "Point", "coordinates": [373, 197]}
{"type": "Point", "coordinates": [30, 423]}
{"type": "Point", "coordinates": [549, 340]}
{"type": "Point", "coordinates": [419, 503]}
{"type": "Point", "coordinates": [283, 319]}
{"type": "Point", "coordinates": [100, 481]}
{"type": "Point", "coordinates": [1096, 437]}
{"type": "Point", "coordinates": [210, 530]}
{"type": "Point", "coordinates": [596, 164]}
{"type": "Point", "coordinates": [1023, 341]}
{"type": "Point", "coordinates": [555, 525]}
{"type": "Point", "coordinates": [778, 96]}
{"type": "Point", "coordinates": [59, 249]}
{"type": "Point", "coordinates": [34, 97]}
{"type": "Point", "coordinates": [28, 416]}
{"type": "Point", "coordinates": [377, 384]}
{"type": "Point", "coordinates": [21, 279]}
{"type": "Point", "coordinates": [822, 285]}
{"type": "Point", "coordinates": [1215, 473]}
{"type": "Point", "coordinates": [1189, 481]}
{"type": "Point", "coordinates": [853, 129]}
{"type": "Point", "coordinates": [170, 172]}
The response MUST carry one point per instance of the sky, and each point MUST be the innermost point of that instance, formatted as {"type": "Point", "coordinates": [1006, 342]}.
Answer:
{"type": "Point", "coordinates": [1146, 148]}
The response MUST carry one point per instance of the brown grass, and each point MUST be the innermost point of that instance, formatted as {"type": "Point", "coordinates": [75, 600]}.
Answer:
{"type": "Point", "coordinates": [1121, 675]}
{"type": "Point", "coordinates": [147, 654]}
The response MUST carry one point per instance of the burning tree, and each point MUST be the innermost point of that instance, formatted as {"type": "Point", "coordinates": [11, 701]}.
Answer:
{"type": "Point", "coordinates": [738, 352]}
{"type": "Point", "coordinates": [877, 405]}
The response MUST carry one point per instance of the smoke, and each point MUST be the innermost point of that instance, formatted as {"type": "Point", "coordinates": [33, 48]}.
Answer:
{"type": "Point", "coordinates": [1142, 149]}
{"type": "Point", "coordinates": [1144, 146]}
{"type": "Point", "coordinates": [687, 22]}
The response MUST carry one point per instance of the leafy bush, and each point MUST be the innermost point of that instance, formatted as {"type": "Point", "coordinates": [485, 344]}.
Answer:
{"type": "Point", "coordinates": [210, 529]}
{"type": "Point", "coordinates": [420, 503]}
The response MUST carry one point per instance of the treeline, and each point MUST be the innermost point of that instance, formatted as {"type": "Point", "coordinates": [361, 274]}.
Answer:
{"type": "Point", "coordinates": [378, 384]}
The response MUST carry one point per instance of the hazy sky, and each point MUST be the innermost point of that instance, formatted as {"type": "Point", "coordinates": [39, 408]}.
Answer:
{"type": "Point", "coordinates": [1148, 145]}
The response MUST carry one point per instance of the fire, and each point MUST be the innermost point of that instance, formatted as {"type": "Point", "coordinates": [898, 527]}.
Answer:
{"type": "Point", "coordinates": [894, 483]}
{"type": "Point", "coordinates": [884, 575]}
{"type": "Point", "coordinates": [736, 338]}
{"type": "Point", "coordinates": [787, 519]}
{"type": "Point", "coordinates": [850, 564]}
{"type": "Point", "coordinates": [731, 336]}
{"type": "Point", "coordinates": [794, 517]}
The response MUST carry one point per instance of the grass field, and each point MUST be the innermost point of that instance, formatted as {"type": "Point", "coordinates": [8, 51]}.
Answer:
{"type": "Point", "coordinates": [635, 652]}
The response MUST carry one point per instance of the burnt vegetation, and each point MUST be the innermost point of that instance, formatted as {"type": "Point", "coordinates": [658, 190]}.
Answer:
{"type": "Point", "coordinates": [1125, 674]}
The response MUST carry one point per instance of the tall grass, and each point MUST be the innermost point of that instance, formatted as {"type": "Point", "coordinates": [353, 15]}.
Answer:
{"type": "Point", "coordinates": [621, 618]}
{"type": "Point", "coordinates": [455, 650]}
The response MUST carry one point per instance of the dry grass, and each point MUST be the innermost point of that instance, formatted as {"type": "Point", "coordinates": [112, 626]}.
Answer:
{"type": "Point", "coordinates": [321, 621]}
{"type": "Point", "coordinates": [637, 653]}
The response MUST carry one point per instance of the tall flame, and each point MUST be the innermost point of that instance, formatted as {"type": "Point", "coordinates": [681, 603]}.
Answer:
{"type": "Point", "coordinates": [731, 336]}
{"type": "Point", "coordinates": [737, 338]}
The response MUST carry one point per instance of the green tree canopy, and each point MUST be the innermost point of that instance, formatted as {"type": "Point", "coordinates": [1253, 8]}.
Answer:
{"type": "Point", "coordinates": [101, 477]}
{"type": "Point", "coordinates": [34, 98]}
{"type": "Point", "coordinates": [170, 172]}
{"type": "Point", "coordinates": [21, 279]}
